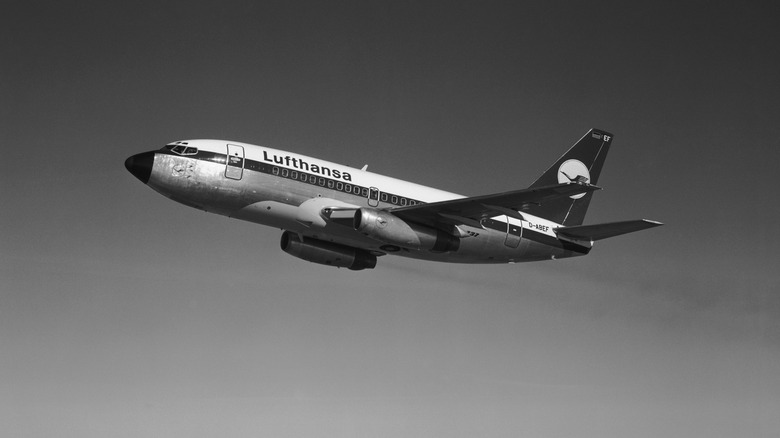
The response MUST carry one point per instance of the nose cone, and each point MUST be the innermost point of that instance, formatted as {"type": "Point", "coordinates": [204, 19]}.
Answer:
{"type": "Point", "coordinates": [140, 165]}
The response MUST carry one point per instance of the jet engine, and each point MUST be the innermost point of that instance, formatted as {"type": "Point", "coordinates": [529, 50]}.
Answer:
{"type": "Point", "coordinates": [388, 228]}
{"type": "Point", "coordinates": [327, 253]}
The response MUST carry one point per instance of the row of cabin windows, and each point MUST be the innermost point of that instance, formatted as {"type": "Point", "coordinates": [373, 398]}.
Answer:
{"type": "Point", "coordinates": [398, 200]}
{"type": "Point", "coordinates": [340, 186]}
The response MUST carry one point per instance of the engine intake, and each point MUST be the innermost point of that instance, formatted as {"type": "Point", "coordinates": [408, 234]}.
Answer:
{"type": "Point", "coordinates": [388, 228]}
{"type": "Point", "coordinates": [327, 253]}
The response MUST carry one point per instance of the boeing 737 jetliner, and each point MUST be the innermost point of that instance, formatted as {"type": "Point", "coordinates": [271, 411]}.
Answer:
{"type": "Point", "coordinates": [341, 216]}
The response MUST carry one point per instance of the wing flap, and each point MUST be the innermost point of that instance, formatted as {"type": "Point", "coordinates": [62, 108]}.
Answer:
{"type": "Point", "coordinates": [605, 230]}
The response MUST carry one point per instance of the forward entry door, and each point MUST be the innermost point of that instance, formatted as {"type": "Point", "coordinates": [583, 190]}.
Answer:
{"type": "Point", "coordinates": [235, 162]}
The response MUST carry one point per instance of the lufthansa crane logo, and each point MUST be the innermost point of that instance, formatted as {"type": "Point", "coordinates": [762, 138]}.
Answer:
{"type": "Point", "coordinates": [572, 171]}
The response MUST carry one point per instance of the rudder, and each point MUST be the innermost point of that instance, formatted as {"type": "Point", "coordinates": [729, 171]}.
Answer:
{"type": "Point", "coordinates": [581, 163]}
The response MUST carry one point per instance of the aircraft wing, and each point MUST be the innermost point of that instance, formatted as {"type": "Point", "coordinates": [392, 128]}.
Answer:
{"type": "Point", "coordinates": [603, 231]}
{"type": "Point", "coordinates": [471, 210]}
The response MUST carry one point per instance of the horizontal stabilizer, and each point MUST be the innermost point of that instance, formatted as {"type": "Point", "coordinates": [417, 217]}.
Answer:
{"type": "Point", "coordinates": [603, 231]}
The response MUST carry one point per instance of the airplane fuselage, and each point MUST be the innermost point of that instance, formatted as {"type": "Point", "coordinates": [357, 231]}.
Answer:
{"type": "Point", "coordinates": [304, 195]}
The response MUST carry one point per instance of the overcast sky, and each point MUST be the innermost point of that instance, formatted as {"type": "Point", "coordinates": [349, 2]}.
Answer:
{"type": "Point", "coordinates": [125, 314]}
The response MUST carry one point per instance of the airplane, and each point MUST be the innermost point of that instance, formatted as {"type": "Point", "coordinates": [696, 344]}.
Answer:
{"type": "Point", "coordinates": [346, 217]}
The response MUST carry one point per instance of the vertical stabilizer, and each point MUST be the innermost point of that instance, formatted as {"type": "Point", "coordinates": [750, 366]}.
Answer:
{"type": "Point", "coordinates": [581, 163]}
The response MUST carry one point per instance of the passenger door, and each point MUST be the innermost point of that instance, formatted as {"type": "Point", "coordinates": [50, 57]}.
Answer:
{"type": "Point", "coordinates": [234, 168]}
{"type": "Point", "coordinates": [514, 234]}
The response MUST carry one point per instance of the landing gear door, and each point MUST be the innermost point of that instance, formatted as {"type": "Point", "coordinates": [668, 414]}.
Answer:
{"type": "Point", "coordinates": [235, 162]}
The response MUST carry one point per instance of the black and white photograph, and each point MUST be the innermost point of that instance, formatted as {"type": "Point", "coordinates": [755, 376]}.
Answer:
{"type": "Point", "coordinates": [389, 218]}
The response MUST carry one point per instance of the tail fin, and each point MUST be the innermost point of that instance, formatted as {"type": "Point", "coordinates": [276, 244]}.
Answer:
{"type": "Point", "coordinates": [581, 163]}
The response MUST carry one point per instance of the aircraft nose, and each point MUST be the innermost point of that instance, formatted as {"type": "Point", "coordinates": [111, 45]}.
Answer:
{"type": "Point", "coordinates": [140, 165]}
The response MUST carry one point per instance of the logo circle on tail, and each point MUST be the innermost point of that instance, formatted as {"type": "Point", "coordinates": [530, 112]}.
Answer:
{"type": "Point", "coordinates": [570, 170]}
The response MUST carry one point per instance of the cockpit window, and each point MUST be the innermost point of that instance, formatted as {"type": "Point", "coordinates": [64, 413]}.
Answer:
{"type": "Point", "coordinates": [184, 150]}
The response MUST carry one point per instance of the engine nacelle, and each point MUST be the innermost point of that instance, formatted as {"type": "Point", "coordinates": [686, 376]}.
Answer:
{"type": "Point", "coordinates": [388, 228]}
{"type": "Point", "coordinates": [327, 253]}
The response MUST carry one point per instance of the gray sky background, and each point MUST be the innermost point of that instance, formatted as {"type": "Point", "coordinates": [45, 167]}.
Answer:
{"type": "Point", "coordinates": [125, 314]}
